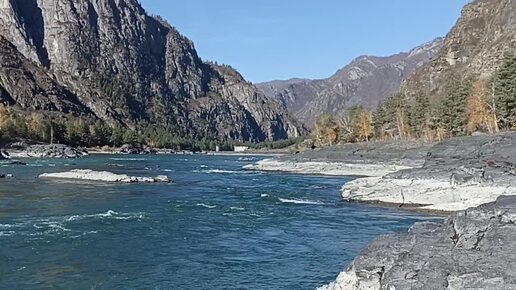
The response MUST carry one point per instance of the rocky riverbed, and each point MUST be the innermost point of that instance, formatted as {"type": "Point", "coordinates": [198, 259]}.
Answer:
{"type": "Point", "coordinates": [471, 249]}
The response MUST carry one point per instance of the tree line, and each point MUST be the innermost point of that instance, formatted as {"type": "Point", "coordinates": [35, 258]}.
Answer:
{"type": "Point", "coordinates": [466, 106]}
{"type": "Point", "coordinates": [83, 132]}
{"type": "Point", "coordinates": [92, 133]}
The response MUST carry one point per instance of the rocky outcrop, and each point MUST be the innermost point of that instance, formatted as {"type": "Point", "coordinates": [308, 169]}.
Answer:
{"type": "Point", "coordinates": [469, 250]}
{"type": "Point", "coordinates": [364, 82]}
{"type": "Point", "coordinates": [48, 151]}
{"type": "Point", "coordinates": [457, 174]}
{"type": "Point", "coordinates": [453, 175]}
{"type": "Point", "coordinates": [111, 60]}
{"type": "Point", "coordinates": [482, 37]}
{"type": "Point", "coordinates": [28, 87]}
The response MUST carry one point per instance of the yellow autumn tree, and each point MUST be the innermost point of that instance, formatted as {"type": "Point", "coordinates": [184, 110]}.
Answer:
{"type": "Point", "coordinates": [479, 111]}
{"type": "Point", "coordinates": [363, 125]}
{"type": "Point", "coordinates": [326, 130]}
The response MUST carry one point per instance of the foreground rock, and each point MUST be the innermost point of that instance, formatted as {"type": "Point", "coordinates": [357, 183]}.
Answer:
{"type": "Point", "coordinates": [457, 174]}
{"type": "Point", "coordinates": [471, 249]}
{"type": "Point", "coordinates": [90, 175]}
{"type": "Point", "coordinates": [48, 151]}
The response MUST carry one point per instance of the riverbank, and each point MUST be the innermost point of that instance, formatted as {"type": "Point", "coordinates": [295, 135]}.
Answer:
{"type": "Point", "coordinates": [469, 250]}
{"type": "Point", "coordinates": [456, 174]}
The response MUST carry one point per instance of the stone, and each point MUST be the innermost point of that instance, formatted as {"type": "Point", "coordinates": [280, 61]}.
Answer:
{"type": "Point", "coordinates": [102, 176]}
{"type": "Point", "coordinates": [469, 250]}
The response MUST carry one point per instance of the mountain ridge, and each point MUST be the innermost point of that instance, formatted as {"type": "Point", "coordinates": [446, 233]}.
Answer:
{"type": "Point", "coordinates": [365, 81]}
{"type": "Point", "coordinates": [475, 47]}
{"type": "Point", "coordinates": [124, 66]}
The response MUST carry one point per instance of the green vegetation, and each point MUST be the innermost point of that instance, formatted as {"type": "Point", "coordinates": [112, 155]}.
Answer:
{"type": "Point", "coordinates": [92, 133]}
{"type": "Point", "coordinates": [504, 89]}
{"type": "Point", "coordinates": [466, 106]}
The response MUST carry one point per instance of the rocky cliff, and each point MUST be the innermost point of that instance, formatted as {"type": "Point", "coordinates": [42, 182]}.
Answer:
{"type": "Point", "coordinates": [482, 37]}
{"type": "Point", "coordinates": [112, 61]}
{"type": "Point", "coordinates": [364, 82]}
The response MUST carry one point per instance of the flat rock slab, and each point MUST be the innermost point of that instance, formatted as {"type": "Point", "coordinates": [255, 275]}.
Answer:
{"type": "Point", "coordinates": [104, 176]}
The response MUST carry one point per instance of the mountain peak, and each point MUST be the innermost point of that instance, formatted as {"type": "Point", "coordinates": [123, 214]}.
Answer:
{"type": "Point", "coordinates": [364, 82]}
{"type": "Point", "coordinates": [122, 66]}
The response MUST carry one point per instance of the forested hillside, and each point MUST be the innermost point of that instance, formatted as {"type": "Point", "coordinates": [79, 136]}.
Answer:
{"type": "Point", "coordinates": [469, 87]}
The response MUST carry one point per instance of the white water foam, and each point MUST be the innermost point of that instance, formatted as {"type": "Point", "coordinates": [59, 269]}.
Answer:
{"type": "Point", "coordinates": [211, 171]}
{"type": "Point", "coordinates": [109, 214]}
{"type": "Point", "coordinates": [237, 208]}
{"type": "Point", "coordinates": [206, 205]}
{"type": "Point", "coordinates": [128, 159]}
{"type": "Point", "coordinates": [7, 233]}
{"type": "Point", "coordinates": [300, 201]}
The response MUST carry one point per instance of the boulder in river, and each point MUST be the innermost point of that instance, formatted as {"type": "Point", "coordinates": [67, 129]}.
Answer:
{"type": "Point", "coordinates": [104, 176]}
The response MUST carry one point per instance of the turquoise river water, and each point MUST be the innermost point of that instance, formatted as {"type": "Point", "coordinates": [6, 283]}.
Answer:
{"type": "Point", "coordinates": [216, 227]}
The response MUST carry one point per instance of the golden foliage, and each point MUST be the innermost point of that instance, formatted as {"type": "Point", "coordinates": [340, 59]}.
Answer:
{"type": "Point", "coordinates": [326, 130]}
{"type": "Point", "coordinates": [363, 125]}
{"type": "Point", "coordinates": [480, 114]}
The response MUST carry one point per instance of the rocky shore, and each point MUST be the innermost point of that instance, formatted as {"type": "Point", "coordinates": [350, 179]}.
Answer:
{"type": "Point", "coordinates": [471, 249]}
{"type": "Point", "coordinates": [453, 175]}
{"type": "Point", "coordinates": [472, 177]}
{"type": "Point", "coordinates": [44, 151]}
{"type": "Point", "coordinates": [103, 176]}
{"type": "Point", "coordinates": [374, 159]}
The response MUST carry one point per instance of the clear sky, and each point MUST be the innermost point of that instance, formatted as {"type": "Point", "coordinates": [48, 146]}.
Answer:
{"type": "Point", "coordinates": [280, 39]}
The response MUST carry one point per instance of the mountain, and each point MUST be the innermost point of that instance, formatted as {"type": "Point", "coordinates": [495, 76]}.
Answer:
{"type": "Point", "coordinates": [110, 60]}
{"type": "Point", "coordinates": [484, 34]}
{"type": "Point", "coordinates": [365, 82]}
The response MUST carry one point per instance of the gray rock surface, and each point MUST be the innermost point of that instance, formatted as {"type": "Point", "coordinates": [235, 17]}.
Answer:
{"type": "Point", "coordinates": [406, 153]}
{"type": "Point", "coordinates": [51, 151]}
{"type": "Point", "coordinates": [481, 38]}
{"type": "Point", "coordinates": [475, 159]}
{"type": "Point", "coordinates": [366, 81]}
{"type": "Point", "coordinates": [471, 249]}
{"type": "Point", "coordinates": [111, 60]}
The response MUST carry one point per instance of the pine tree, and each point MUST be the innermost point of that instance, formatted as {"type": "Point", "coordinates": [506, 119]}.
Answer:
{"type": "Point", "coordinates": [504, 87]}
{"type": "Point", "coordinates": [419, 115]}
{"type": "Point", "coordinates": [452, 110]}
{"type": "Point", "coordinates": [380, 121]}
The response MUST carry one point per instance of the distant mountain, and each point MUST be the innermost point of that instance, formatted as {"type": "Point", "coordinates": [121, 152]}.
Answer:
{"type": "Point", "coordinates": [475, 47]}
{"type": "Point", "coordinates": [109, 60]}
{"type": "Point", "coordinates": [365, 82]}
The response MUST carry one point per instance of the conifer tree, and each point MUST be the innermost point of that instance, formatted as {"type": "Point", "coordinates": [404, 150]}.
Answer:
{"type": "Point", "coordinates": [504, 87]}
{"type": "Point", "coordinates": [452, 110]}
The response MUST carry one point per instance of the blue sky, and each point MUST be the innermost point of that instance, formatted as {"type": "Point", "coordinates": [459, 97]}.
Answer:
{"type": "Point", "coordinates": [280, 39]}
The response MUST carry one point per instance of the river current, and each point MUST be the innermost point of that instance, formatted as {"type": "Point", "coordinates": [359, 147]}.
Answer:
{"type": "Point", "coordinates": [216, 227]}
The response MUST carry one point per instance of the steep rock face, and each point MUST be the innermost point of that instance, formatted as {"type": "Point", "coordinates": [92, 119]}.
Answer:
{"type": "Point", "coordinates": [484, 34]}
{"type": "Point", "coordinates": [364, 82]}
{"type": "Point", "coordinates": [27, 86]}
{"type": "Point", "coordinates": [126, 66]}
